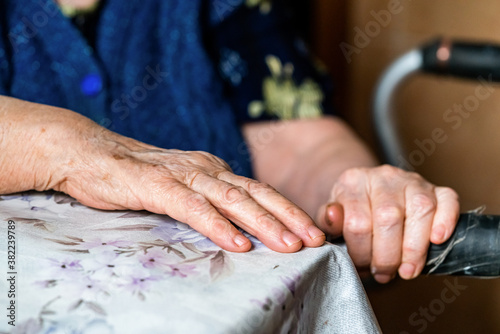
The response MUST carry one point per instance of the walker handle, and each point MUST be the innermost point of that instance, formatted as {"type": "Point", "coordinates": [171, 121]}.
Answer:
{"type": "Point", "coordinates": [472, 250]}
{"type": "Point", "coordinates": [469, 60]}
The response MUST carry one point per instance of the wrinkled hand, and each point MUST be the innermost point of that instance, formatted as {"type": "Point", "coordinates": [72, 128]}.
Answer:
{"type": "Point", "coordinates": [112, 172]}
{"type": "Point", "coordinates": [387, 217]}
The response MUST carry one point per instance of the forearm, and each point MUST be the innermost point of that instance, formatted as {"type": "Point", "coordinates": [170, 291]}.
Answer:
{"type": "Point", "coordinates": [304, 158]}
{"type": "Point", "coordinates": [33, 141]}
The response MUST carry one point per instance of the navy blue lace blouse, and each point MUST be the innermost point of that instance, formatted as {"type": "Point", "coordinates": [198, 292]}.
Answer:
{"type": "Point", "coordinates": [181, 74]}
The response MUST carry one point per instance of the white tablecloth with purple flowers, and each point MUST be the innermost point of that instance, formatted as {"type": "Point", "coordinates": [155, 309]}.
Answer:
{"type": "Point", "coordinates": [78, 270]}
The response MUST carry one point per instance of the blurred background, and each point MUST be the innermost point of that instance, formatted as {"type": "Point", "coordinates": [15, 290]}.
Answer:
{"type": "Point", "coordinates": [468, 160]}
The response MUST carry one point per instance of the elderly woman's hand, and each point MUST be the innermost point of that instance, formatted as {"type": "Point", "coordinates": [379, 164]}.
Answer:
{"type": "Point", "coordinates": [197, 188]}
{"type": "Point", "coordinates": [65, 151]}
{"type": "Point", "coordinates": [387, 217]}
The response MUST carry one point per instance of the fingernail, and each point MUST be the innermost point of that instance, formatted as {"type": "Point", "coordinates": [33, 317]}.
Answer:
{"type": "Point", "coordinates": [315, 232]}
{"type": "Point", "coordinates": [289, 238]}
{"type": "Point", "coordinates": [240, 240]}
{"type": "Point", "coordinates": [327, 214]}
{"type": "Point", "coordinates": [439, 233]}
{"type": "Point", "coordinates": [407, 270]}
{"type": "Point", "coordinates": [383, 278]}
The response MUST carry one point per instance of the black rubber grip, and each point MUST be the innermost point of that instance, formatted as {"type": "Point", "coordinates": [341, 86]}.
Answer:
{"type": "Point", "coordinates": [472, 250]}
{"type": "Point", "coordinates": [462, 59]}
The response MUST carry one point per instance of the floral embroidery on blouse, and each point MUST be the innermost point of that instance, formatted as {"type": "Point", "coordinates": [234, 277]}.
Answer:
{"type": "Point", "coordinates": [265, 6]}
{"type": "Point", "coordinates": [283, 98]}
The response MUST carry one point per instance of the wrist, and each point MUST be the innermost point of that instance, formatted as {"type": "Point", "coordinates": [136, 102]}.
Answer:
{"type": "Point", "coordinates": [36, 142]}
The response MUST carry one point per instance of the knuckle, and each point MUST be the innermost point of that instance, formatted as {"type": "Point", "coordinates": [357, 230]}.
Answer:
{"type": "Point", "coordinates": [191, 177]}
{"type": "Point", "coordinates": [388, 216]}
{"type": "Point", "coordinates": [218, 227]}
{"type": "Point", "coordinates": [197, 204]}
{"type": "Point", "coordinates": [416, 176]}
{"type": "Point", "coordinates": [266, 222]}
{"type": "Point", "coordinates": [423, 204]}
{"type": "Point", "coordinates": [339, 188]}
{"type": "Point", "coordinates": [389, 171]}
{"type": "Point", "coordinates": [197, 158]}
{"type": "Point", "coordinates": [223, 165]}
{"type": "Point", "coordinates": [234, 195]}
{"type": "Point", "coordinates": [209, 159]}
{"type": "Point", "coordinates": [351, 176]}
{"type": "Point", "coordinates": [202, 155]}
{"type": "Point", "coordinates": [357, 225]}
{"type": "Point", "coordinates": [256, 187]}
{"type": "Point", "coordinates": [449, 193]}
{"type": "Point", "coordinates": [292, 211]}
{"type": "Point", "coordinates": [413, 250]}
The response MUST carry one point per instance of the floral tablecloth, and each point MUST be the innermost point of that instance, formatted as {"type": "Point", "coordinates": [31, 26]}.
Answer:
{"type": "Point", "coordinates": [71, 269]}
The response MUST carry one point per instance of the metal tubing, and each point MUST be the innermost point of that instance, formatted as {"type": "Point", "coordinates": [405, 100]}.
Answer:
{"type": "Point", "coordinates": [397, 73]}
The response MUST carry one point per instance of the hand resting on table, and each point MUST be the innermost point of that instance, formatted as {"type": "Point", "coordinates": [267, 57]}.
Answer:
{"type": "Point", "coordinates": [50, 148]}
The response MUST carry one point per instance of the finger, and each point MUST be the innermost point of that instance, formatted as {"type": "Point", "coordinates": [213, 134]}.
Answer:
{"type": "Point", "coordinates": [447, 213]}
{"type": "Point", "coordinates": [421, 206]}
{"type": "Point", "coordinates": [331, 219]}
{"type": "Point", "coordinates": [287, 213]}
{"type": "Point", "coordinates": [388, 217]}
{"type": "Point", "coordinates": [185, 205]}
{"type": "Point", "coordinates": [352, 194]}
{"type": "Point", "coordinates": [237, 205]}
